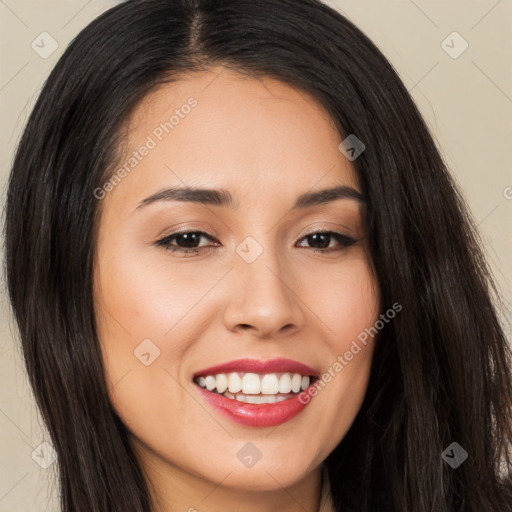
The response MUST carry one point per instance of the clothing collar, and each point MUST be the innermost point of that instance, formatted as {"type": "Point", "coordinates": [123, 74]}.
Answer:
{"type": "Point", "coordinates": [326, 504]}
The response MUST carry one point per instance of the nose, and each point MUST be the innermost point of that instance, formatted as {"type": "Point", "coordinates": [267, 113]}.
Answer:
{"type": "Point", "coordinates": [264, 300]}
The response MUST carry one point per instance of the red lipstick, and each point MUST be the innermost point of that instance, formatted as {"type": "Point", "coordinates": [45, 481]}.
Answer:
{"type": "Point", "coordinates": [261, 367]}
{"type": "Point", "coordinates": [258, 415]}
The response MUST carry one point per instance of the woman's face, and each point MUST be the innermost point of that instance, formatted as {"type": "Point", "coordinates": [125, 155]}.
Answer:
{"type": "Point", "coordinates": [257, 285]}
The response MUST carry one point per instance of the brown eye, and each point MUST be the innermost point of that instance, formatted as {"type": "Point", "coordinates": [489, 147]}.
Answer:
{"type": "Point", "coordinates": [186, 241]}
{"type": "Point", "coordinates": [321, 241]}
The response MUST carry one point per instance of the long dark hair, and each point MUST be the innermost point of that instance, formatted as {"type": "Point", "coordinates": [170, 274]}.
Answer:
{"type": "Point", "coordinates": [441, 369]}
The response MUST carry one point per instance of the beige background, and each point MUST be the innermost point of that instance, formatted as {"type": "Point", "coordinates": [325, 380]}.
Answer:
{"type": "Point", "coordinates": [467, 102]}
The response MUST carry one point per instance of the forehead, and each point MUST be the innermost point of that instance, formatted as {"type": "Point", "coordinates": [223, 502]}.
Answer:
{"type": "Point", "coordinates": [224, 129]}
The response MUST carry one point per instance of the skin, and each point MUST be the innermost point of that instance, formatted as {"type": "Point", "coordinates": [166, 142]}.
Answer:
{"type": "Point", "coordinates": [266, 143]}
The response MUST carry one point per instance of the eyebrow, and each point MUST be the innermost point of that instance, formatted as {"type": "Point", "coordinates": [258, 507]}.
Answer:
{"type": "Point", "coordinates": [221, 197]}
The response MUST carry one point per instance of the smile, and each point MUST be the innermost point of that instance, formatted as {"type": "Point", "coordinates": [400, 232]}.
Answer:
{"type": "Point", "coordinates": [253, 388]}
{"type": "Point", "coordinates": [256, 398]}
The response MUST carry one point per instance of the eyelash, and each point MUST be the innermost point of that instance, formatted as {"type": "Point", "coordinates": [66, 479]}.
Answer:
{"type": "Point", "coordinates": [344, 241]}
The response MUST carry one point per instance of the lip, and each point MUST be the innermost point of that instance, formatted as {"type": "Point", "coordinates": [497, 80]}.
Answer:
{"type": "Point", "coordinates": [256, 415]}
{"type": "Point", "coordinates": [260, 367]}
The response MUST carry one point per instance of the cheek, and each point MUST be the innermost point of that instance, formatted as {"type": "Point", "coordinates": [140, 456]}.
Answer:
{"type": "Point", "coordinates": [143, 304]}
{"type": "Point", "coordinates": [144, 298]}
{"type": "Point", "coordinates": [346, 300]}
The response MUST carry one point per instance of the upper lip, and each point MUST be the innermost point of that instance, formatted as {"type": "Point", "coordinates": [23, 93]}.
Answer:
{"type": "Point", "coordinates": [260, 366]}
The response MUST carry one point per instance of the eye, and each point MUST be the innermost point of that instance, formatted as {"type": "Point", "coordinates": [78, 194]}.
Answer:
{"type": "Point", "coordinates": [321, 240]}
{"type": "Point", "coordinates": [186, 242]}
{"type": "Point", "coordinates": [189, 242]}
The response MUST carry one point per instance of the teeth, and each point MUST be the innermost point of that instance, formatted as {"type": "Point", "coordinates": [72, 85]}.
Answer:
{"type": "Point", "coordinates": [252, 384]}
{"type": "Point", "coordinates": [222, 383]}
{"type": "Point", "coordinates": [211, 382]}
{"type": "Point", "coordinates": [259, 399]}
{"type": "Point", "coordinates": [235, 383]}
{"type": "Point", "coordinates": [285, 383]}
{"type": "Point", "coordinates": [270, 384]}
{"type": "Point", "coordinates": [296, 382]}
{"type": "Point", "coordinates": [255, 399]}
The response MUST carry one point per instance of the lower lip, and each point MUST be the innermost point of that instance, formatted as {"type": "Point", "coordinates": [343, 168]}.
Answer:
{"type": "Point", "coordinates": [256, 415]}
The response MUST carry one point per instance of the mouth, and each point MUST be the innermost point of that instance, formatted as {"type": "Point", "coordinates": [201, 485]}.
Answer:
{"type": "Point", "coordinates": [254, 388]}
{"type": "Point", "coordinates": [243, 391]}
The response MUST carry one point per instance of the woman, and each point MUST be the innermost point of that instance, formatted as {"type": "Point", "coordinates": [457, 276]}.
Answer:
{"type": "Point", "coordinates": [244, 279]}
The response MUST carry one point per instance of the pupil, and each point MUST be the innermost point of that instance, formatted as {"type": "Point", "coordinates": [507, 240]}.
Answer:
{"type": "Point", "coordinates": [189, 239]}
{"type": "Point", "coordinates": [324, 239]}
